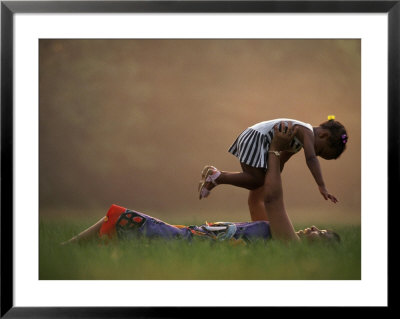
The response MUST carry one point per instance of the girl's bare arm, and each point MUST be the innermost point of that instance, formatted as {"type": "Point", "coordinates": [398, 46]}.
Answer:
{"type": "Point", "coordinates": [313, 164]}
{"type": "Point", "coordinates": [311, 158]}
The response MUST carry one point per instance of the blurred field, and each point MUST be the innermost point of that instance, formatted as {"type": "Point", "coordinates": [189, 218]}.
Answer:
{"type": "Point", "coordinates": [133, 122]}
{"type": "Point", "coordinates": [160, 259]}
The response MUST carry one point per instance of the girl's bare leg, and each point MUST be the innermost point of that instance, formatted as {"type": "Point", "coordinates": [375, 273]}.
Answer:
{"type": "Point", "coordinates": [251, 178]}
{"type": "Point", "coordinates": [256, 205]}
{"type": "Point", "coordinates": [88, 233]}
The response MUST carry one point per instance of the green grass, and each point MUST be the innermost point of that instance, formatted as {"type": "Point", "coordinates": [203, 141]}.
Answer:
{"type": "Point", "coordinates": [160, 259]}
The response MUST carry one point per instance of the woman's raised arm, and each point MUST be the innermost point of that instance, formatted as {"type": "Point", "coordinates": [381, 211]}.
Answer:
{"type": "Point", "coordinates": [279, 221]}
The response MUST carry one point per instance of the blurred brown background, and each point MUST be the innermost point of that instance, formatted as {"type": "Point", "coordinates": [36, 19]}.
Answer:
{"type": "Point", "coordinates": [133, 122]}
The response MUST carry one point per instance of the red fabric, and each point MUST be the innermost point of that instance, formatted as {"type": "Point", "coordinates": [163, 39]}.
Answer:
{"type": "Point", "coordinates": [108, 227]}
{"type": "Point", "coordinates": [137, 219]}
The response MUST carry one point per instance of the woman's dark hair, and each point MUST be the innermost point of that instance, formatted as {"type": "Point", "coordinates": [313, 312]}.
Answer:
{"type": "Point", "coordinates": [338, 138]}
{"type": "Point", "coordinates": [335, 236]}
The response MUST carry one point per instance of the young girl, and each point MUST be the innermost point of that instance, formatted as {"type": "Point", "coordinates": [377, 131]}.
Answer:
{"type": "Point", "coordinates": [328, 140]}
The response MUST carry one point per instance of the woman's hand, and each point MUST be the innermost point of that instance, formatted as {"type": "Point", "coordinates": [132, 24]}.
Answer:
{"type": "Point", "coordinates": [282, 136]}
{"type": "Point", "coordinates": [324, 192]}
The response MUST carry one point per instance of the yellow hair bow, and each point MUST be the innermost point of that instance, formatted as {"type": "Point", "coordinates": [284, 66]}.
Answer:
{"type": "Point", "coordinates": [331, 117]}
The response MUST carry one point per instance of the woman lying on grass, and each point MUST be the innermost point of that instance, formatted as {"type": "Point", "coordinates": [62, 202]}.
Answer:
{"type": "Point", "coordinates": [275, 223]}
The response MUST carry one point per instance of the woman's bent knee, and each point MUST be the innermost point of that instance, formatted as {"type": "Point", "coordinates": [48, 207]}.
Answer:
{"type": "Point", "coordinates": [255, 196]}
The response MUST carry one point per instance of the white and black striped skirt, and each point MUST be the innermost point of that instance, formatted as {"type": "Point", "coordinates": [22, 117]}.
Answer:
{"type": "Point", "coordinates": [251, 147]}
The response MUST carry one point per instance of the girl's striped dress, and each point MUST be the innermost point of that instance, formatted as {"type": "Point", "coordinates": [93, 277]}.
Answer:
{"type": "Point", "coordinates": [252, 145]}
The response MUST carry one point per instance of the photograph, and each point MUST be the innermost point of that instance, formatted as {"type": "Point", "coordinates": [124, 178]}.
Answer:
{"type": "Point", "coordinates": [135, 135]}
{"type": "Point", "coordinates": [164, 156]}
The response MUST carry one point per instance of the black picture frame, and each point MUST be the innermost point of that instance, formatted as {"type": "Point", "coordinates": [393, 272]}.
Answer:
{"type": "Point", "coordinates": [9, 8]}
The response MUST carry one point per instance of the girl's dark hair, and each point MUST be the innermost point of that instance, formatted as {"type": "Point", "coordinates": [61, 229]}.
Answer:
{"type": "Point", "coordinates": [338, 138]}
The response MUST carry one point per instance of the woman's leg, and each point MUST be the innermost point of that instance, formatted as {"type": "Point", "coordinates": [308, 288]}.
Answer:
{"type": "Point", "coordinates": [256, 196]}
{"type": "Point", "coordinates": [256, 205]}
{"type": "Point", "coordinates": [88, 233]}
